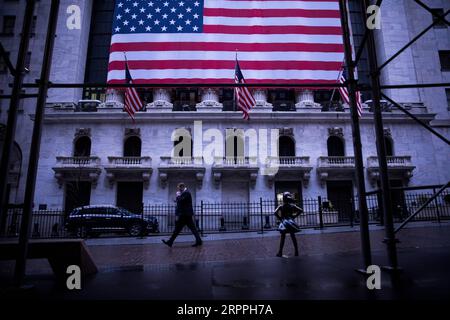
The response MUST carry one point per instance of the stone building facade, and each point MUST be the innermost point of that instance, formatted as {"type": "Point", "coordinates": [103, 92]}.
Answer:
{"type": "Point", "coordinates": [92, 153]}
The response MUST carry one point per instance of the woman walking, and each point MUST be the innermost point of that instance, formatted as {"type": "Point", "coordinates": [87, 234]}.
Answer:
{"type": "Point", "coordinates": [287, 212]}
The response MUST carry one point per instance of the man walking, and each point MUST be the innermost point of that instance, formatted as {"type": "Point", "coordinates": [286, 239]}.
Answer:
{"type": "Point", "coordinates": [185, 213]}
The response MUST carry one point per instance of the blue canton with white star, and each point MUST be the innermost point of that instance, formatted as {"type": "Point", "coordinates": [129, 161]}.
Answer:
{"type": "Point", "coordinates": [158, 16]}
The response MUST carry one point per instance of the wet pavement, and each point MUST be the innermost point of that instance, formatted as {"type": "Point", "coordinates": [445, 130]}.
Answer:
{"type": "Point", "coordinates": [246, 268]}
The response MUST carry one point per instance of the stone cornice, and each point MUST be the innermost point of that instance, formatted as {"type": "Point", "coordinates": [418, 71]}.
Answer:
{"type": "Point", "coordinates": [225, 116]}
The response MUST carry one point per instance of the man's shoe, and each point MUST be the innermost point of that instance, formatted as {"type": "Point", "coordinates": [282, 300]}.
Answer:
{"type": "Point", "coordinates": [197, 244]}
{"type": "Point", "coordinates": [168, 243]}
{"type": "Point", "coordinates": [279, 254]}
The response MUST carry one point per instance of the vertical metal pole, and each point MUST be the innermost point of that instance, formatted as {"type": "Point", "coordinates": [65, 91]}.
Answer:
{"type": "Point", "coordinates": [319, 201]}
{"type": "Point", "coordinates": [201, 218]}
{"type": "Point", "coordinates": [436, 203]}
{"type": "Point", "coordinates": [381, 147]}
{"type": "Point", "coordinates": [356, 133]}
{"type": "Point", "coordinates": [19, 272]}
{"type": "Point", "coordinates": [261, 212]}
{"type": "Point", "coordinates": [13, 108]}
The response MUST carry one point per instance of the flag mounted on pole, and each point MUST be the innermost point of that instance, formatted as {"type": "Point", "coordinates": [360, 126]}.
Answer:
{"type": "Point", "coordinates": [244, 99]}
{"type": "Point", "coordinates": [345, 94]}
{"type": "Point", "coordinates": [194, 41]}
{"type": "Point", "coordinates": [133, 102]}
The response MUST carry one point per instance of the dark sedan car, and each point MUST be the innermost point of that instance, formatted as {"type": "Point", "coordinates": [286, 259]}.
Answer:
{"type": "Point", "coordinates": [94, 220]}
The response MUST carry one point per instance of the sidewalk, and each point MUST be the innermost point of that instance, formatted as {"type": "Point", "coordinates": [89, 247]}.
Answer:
{"type": "Point", "coordinates": [247, 268]}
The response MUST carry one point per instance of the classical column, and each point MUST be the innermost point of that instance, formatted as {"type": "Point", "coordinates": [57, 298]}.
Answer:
{"type": "Point", "coordinates": [305, 99]}
{"type": "Point", "coordinates": [260, 96]}
{"type": "Point", "coordinates": [114, 100]}
{"type": "Point", "coordinates": [114, 96]}
{"type": "Point", "coordinates": [209, 100]}
{"type": "Point", "coordinates": [161, 100]}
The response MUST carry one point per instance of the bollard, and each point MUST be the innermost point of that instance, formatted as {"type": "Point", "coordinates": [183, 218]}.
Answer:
{"type": "Point", "coordinates": [222, 224]}
{"type": "Point", "coordinates": [261, 214]}
{"type": "Point", "coordinates": [36, 233]}
{"type": "Point", "coordinates": [197, 224]}
{"type": "Point", "coordinates": [201, 218]}
{"type": "Point", "coordinates": [267, 225]}
{"type": "Point", "coordinates": [245, 224]}
{"type": "Point", "coordinates": [55, 232]}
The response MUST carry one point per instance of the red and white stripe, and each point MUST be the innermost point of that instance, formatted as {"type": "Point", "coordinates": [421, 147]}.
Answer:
{"type": "Point", "coordinates": [244, 99]}
{"type": "Point", "coordinates": [284, 42]}
{"type": "Point", "coordinates": [346, 97]}
{"type": "Point", "coordinates": [133, 102]}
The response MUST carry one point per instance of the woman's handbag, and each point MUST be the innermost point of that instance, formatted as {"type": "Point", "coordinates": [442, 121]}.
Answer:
{"type": "Point", "coordinates": [288, 226]}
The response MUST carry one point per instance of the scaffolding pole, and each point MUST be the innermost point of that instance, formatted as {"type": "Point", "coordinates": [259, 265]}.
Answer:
{"type": "Point", "coordinates": [25, 227]}
{"type": "Point", "coordinates": [356, 133]}
{"type": "Point", "coordinates": [13, 110]}
{"type": "Point", "coordinates": [390, 240]}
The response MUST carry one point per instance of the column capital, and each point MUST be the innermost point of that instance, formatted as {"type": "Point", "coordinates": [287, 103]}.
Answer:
{"type": "Point", "coordinates": [161, 100]}
{"type": "Point", "coordinates": [209, 100]}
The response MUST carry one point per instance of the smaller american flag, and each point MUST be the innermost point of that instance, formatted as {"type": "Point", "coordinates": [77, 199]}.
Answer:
{"type": "Point", "coordinates": [345, 95]}
{"type": "Point", "coordinates": [244, 98]}
{"type": "Point", "coordinates": [133, 102]}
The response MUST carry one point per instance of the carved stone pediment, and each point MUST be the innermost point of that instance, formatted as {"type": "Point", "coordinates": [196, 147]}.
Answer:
{"type": "Point", "coordinates": [287, 132]}
{"type": "Point", "coordinates": [338, 132]}
{"type": "Point", "coordinates": [132, 132]}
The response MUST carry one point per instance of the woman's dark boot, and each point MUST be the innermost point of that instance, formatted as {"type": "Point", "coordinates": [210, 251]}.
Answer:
{"type": "Point", "coordinates": [280, 252]}
{"type": "Point", "coordinates": [294, 241]}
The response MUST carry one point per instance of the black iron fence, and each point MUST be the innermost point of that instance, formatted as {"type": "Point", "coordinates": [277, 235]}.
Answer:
{"type": "Point", "coordinates": [253, 216]}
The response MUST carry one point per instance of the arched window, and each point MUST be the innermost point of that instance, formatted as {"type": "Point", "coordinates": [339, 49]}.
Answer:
{"type": "Point", "coordinates": [286, 147]}
{"type": "Point", "coordinates": [82, 147]}
{"type": "Point", "coordinates": [389, 146]}
{"type": "Point", "coordinates": [132, 147]}
{"type": "Point", "coordinates": [234, 147]}
{"type": "Point", "coordinates": [335, 147]}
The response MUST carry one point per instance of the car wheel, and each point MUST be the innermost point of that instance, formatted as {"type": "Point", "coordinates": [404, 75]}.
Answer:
{"type": "Point", "coordinates": [135, 230]}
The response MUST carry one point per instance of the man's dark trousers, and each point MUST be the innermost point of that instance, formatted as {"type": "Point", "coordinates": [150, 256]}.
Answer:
{"type": "Point", "coordinates": [185, 220]}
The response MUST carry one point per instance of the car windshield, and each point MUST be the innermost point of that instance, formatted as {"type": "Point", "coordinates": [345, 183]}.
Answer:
{"type": "Point", "coordinates": [75, 213]}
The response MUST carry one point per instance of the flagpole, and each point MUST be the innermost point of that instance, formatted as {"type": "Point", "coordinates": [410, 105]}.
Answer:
{"type": "Point", "coordinates": [234, 89]}
{"type": "Point", "coordinates": [126, 67]}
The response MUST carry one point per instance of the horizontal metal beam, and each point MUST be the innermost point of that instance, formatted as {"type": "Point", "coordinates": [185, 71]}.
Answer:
{"type": "Point", "coordinates": [418, 85]}
{"type": "Point", "coordinates": [215, 85]}
{"type": "Point", "coordinates": [22, 96]}
{"type": "Point", "coordinates": [434, 186]}
{"type": "Point", "coordinates": [185, 85]}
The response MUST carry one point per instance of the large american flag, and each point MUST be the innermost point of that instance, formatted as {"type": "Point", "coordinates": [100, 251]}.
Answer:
{"type": "Point", "coordinates": [194, 41]}
{"type": "Point", "coordinates": [346, 96]}
{"type": "Point", "coordinates": [244, 98]}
